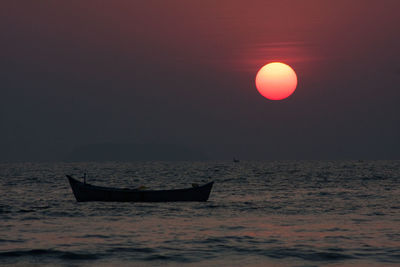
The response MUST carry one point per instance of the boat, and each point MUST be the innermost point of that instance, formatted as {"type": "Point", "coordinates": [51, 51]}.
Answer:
{"type": "Point", "coordinates": [86, 192]}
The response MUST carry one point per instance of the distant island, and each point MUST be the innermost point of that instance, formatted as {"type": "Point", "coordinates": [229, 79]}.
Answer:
{"type": "Point", "coordinates": [134, 152]}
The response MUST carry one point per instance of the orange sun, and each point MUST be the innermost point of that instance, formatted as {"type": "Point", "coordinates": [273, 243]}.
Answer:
{"type": "Point", "coordinates": [276, 81]}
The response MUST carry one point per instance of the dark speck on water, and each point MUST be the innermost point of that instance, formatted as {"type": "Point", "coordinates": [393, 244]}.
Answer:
{"type": "Point", "coordinates": [260, 213]}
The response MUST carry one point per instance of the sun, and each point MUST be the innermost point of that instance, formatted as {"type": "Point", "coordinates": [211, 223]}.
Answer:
{"type": "Point", "coordinates": [276, 81]}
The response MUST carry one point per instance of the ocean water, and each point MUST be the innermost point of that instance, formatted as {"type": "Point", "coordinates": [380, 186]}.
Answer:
{"type": "Point", "coordinates": [260, 213]}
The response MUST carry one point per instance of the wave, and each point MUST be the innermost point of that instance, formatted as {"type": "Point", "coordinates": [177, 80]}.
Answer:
{"type": "Point", "coordinates": [48, 253]}
{"type": "Point", "coordinates": [172, 258]}
{"type": "Point", "coordinates": [310, 255]}
{"type": "Point", "coordinates": [130, 250]}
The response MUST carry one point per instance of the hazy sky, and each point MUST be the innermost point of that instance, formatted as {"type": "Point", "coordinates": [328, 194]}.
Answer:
{"type": "Point", "coordinates": [182, 72]}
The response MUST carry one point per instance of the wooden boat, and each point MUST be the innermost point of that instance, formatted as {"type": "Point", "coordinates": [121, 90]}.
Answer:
{"type": "Point", "coordinates": [86, 192]}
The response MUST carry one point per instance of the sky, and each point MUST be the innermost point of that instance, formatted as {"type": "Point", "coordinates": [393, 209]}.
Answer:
{"type": "Point", "coordinates": [75, 73]}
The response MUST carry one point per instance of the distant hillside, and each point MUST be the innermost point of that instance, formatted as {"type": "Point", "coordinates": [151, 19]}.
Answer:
{"type": "Point", "coordinates": [133, 152]}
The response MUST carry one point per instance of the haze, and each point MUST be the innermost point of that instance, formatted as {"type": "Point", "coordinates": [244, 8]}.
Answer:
{"type": "Point", "coordinates": [181, 73]}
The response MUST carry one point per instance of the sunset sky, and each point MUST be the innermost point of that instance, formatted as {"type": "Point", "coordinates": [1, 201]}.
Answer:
{"type": "Point", "coordinates": [182, 72]}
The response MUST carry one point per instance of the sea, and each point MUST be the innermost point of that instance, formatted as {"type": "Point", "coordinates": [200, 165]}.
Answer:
{"type": "Point", "coordinates": [260, 213]}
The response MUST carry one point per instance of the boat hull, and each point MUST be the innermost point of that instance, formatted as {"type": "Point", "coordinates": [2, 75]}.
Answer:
{"type": "Point", "coordinates": [85, 192]}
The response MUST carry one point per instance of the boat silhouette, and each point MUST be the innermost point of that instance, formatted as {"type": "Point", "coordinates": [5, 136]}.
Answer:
{"type": "Point", "coordinates": [86, 192]}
